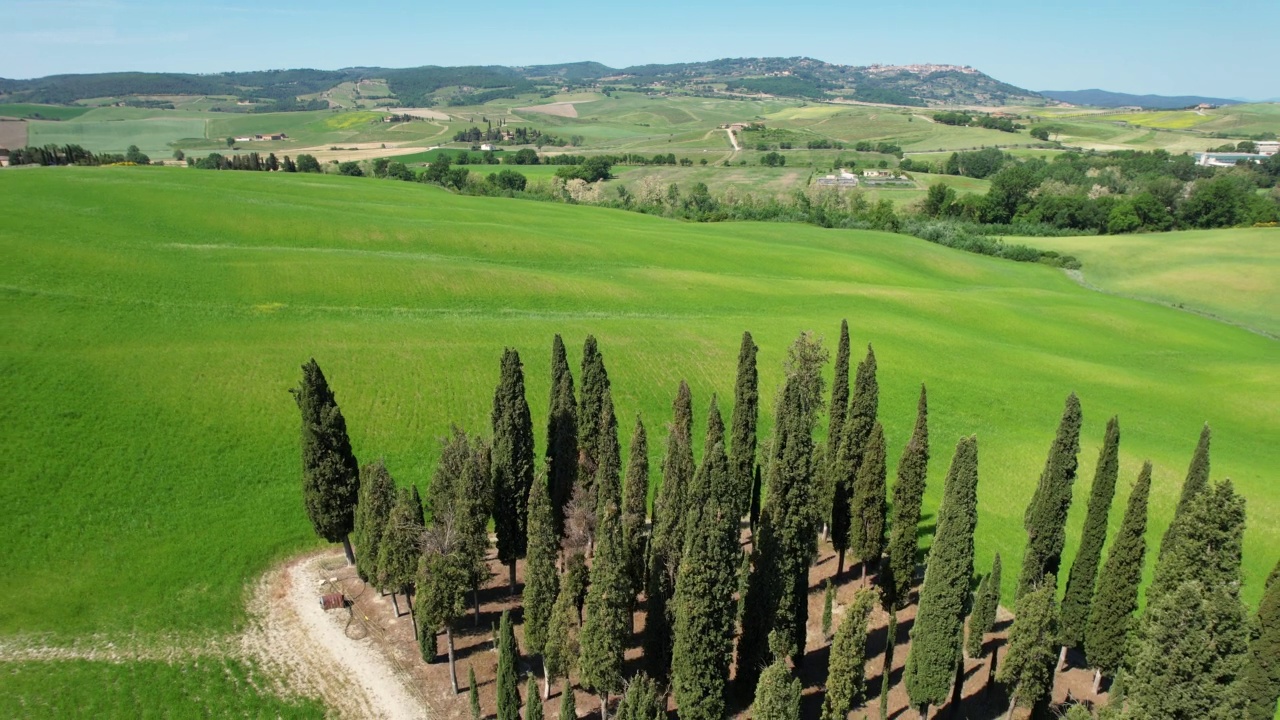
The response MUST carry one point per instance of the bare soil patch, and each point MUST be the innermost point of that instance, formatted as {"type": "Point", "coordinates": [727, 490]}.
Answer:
{"type": "Point", "coordinates": [559, 109]}
{"type": "Point", "coordinates": [356, 151]}
{"type": "Point", "coordinates": [13, 133]}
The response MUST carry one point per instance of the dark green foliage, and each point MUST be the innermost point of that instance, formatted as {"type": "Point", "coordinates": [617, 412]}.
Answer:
{"type": "Point", "coordinates": [473, 693]}
{"type": "Point", "coordinates": [1028, 666]}
{"type": "Point", "coordinates": [595, 385]}
{"type": "Point", "coordinates": [937, 633]}
{"type": "Point", "coordinates": [983, 617]}
{"type": "Point", "coordinates": [834, 510]}
{"type": "Point", "coordinates": [863, 408]}
{"type": "Point", "coordinates": [441, 597]}
{"type": "Point", "coordinates": [777, 694]}
{"type": "Point", "coordinates": [908, 494]}
{"type": "Point", "coordinates": [608, 608]}
{"type": "Point", "coordinates": [642, 701]}
{"type": "Point", "coordinates": [1116, 599]}
{"type": "Point", "coordinates": [886, 674]}
{"type": "Point", "coordinates": [577, 576]}
{"type": "Point", "coordinates": [846, 673]}
{"type": "Point", "coordinates": [330, 475]}
{"type": "Point", "coordinates": [417, 503]}
{"type": "Point", "coordinates": [756, 491]}
{"type": "Point", "coordinates": [568, 707]}
{"type": "Point", "coordinates": [746, 410]}
{"type": "Point", "coordinates": [562, 433]}
{"type": "Point", "coordinates": [377, 495]}
{"type": "Point", "coordinates": [635, 508]}
{"type": "Point", "coordinates": [400, 547]}
{"type": "Point", "coordinates": [608, 477]}
{"type": "Point", "coordinates": [1197, 480]}
{"type": "Point", "coordinates": [512, 461]}
{"type": "Point", "coordinates": [1207, 546]}
{"type": "Point", "coordinates": [705, 610]}
{"type": "Point", "coordinates": [866, 536]}
{"type": "Point", "coordinates": [541, 581]}
{"type": "Point", "coordinates": [561, 649]}
{"type": "Point", "coordinates": [1084, 570]}
{"type": "Point", "coordinates": [828, 599]}
{"type": "Point", "coordinates": [777, 592]}
{"type": "Point", "coordinates": [507, 682]}
{"type": "Point", "coordinates": [1046, 516]}
{"type": "Point", "coordinates": [533, 702]}
{"type": "Point", "coordinates": [1260, 683]}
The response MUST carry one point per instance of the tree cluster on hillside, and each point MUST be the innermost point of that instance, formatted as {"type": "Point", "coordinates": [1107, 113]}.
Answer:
{"type": "Point", "coordinates": [50, 155]}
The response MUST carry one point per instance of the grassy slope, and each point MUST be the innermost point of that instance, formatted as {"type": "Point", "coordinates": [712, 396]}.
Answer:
{"type": "Point", "coordinates": [1228, 273]}
{"type": "Point", "coordinates": [152, 336]}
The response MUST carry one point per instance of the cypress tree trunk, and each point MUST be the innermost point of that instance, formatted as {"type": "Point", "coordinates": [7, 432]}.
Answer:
{"type": "Point", "coordinates": [1013, 703]}
{"type": "Point", "coordinates": [991, 674]}
{"type": "Point", "coordinates": [924, 711]}
{"type": "Point", "coordinates": [1097, 682]}
{"type": "Point", "coordinates": [475, 600]}
{"type": "Point", "coordinates": [511, 570]}
{"type": "Point", "coordinates": [395, 604]}
{"type": "Point", "coordinates": [346, 550]}
{"type": "Point", "coordinates": [546, 682]}
{"type": "Point", "coordinates": [840, 565]}
{"type": "Point", "coordinates": [453, 670]}
{"type": "Point", "coordinates": [604, 706]}
{"type": "Point", "coordinates": [1062, 659]}
{"type": "Point", "coordinates": [957, 690]}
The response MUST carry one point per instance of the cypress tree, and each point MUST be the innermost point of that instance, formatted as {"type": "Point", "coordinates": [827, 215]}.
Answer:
{"type": "Point", "coordinates": [330, 474]}
{"type": "Point", "coordinates": [1111, 613]}
{"type": "Point", "coordinates": [608, 477]}
{"type": "Point", "coordinates": [1084, 570]}
{"type": "Point", "coordinates": [667, 538]}
{"type": "Point", "coordinates": [642, 701]}
{"type": "Point", "coordinates": [417, 505]}
{"type": "Point", "coordinates": [1197, 480]}
{"type": "Point", "coordinates": [828, 599]}
{"type": "Point", "coordinates": [1046, 516]}
{"type": "Point", "coordinates": [512, 463]}
{"type": "Point", "coordinates": [908, 495]}
{"type": "Point", "coordinates": [595, 386]}
{"type": "Point", "coordinates": [1261, 681]}
{"type": "Point", "coordinates": [777, 591]}
{"type": "Point", "coordinates": [533, 704]}
{"type": "Point", "coordinates": [1028, 665]}
{"type": "Point", "coordinates": [508, 686]}
{"type": "Point", "coordinates": [746, 411]}
{"type": "Point", "coordinates": [474, 499]}
{"type": "Point", "coordinates": [863, 407]}
{"type": "Point", "coordinates": [828, 500]}
{"type": "Point", "coordinates": [886, 670]}
{"type": "Point", "coordinates": [568, 706]}
{"type": "Point", "coordinates": [868, 504]}
{"type": "Point", "coordinates": [562, 433]}
{"type": "Point", "coordinates": [377, 496]}
{"type": "Point", "coordinates": [561, 648]}
{"type": "Point", "coordinates": [542, 583]}
{"type": "Point", "coordinates": [777, 694]}
{"type": "Point", "coordinates": [846, 673]}
{"type": "Point", "coordinates": [473, 693]}
{"type": "Point", "coordinates": [705, 610]}
{"type": "Point", "coordinates": [937, 633]}
{"type": "Point", "coordinates": [441, 599]}
{"type": "Point", "coordinates": [604, 633]}
{"type": "Point", "coordinates": [455, 454]}
{"type": "Point", "coordinates": [756, 488]}
{"type": "Point", "coordinates": [576, 578]}
{"type": "Point", "coordinates": [635, 507]}
{"type": "Point", "coordinates": [983, 618]}
{"type": "Point", "coordinates": [399, 550]}
{"type": "Point", "coordinates": [843, 476]}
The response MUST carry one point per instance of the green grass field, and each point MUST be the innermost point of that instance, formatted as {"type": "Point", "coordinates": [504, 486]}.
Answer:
{"type": "Point", "coordinates": [1230, 274]}
{"type": "Point", "coordinates": [48, 112]}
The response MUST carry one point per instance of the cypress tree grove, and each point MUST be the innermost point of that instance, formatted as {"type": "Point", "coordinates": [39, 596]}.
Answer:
{"type": "Point", "coordinates": [1028, 665]}
{"type": "Point", "coordinates": [595, 385]}
{"type": "Point", "coordinates": [846, 673]}
{"type": "Point", "coordinates": [330, 474]}
{"type": "Point", "coordinates": [1046, 516]}
{"type": "Point", "coordinates": [533, 704]}
{"type": "Point", "coordinates": [542, 582]}
{"type": "Point", "coordinates": [642, 701]}
{"type": "Point", "coordinates": [399, 550]}
{"type": "Point", "coordinates": [746, 411]}
{"type": "Point", "coordinates": [777, 694]}
{"type": "Point", "coordinates": [1116, 599]}
{"type": "Point", "coordinates": [1261, 681]}
{"type": "Point", "coordinates": [777, 590]}
{"type": "Point", "coordinates": [635, 506]}
{"type": "Point", "coordinates": [828, 502]}
{"type": "Point", "coordinates": [1197, 480]}
{"type": "Point", "coordinates": [562, 433]}
{"type": "Point", "coordinates": [512, 463]}
{"type": "Point", "coordinates": [866, 536]}
{"type": "Point", "coordinates": [667, 538]}
{"type": "Point", "coordinates": [1084, 570]}
{"type": "Point", "coordinates": [983, 617]}
{"type": "Point", "coordinates": [508, 686]}
{"type": "Point", "coordinates": [377, 495]}
{"type": "Point", "coordinates": [908, 494]}
{"type": "Point", "coordinates": [937, 633]}
{"type": "Point", "coordinates": [561, 648]}
{"type": "Point", "coordinates": [608, 609]}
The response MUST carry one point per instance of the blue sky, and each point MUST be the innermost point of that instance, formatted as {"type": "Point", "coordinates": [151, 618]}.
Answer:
{"type": "Point", "coordinates": [1225, 48]}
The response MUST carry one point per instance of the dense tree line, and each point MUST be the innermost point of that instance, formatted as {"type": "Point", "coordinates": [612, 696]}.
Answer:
{"type": "Point", "coordinates": [49, 155]}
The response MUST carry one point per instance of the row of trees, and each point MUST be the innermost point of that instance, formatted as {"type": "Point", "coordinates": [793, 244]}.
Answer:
{"type": "Point", "coordinates": [72, 154]}
{"type": "Point", "coordinates": [594, 555]}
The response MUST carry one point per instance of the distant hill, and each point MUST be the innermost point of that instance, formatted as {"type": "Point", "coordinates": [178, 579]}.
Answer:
{"type": "Point", "coordinates": [1104, 98]}
{"type": "Point", "coordinates": [798, 77]}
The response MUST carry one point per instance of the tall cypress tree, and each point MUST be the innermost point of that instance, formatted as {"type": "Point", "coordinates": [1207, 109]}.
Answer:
{"type": "Point", "coordinates": [608, 478]}
{"type": "Point", "coordinates": [846, 672]}
{"type": "Point", "coordinates": [983, 618]}
{"type": "Point", "coordinates": [746, 411]}
{"type": "Point", "coordinates": [843, 477]}
{"type": "Point", "coordinates": [512, 463]}
{"type": "Point", "coordinates": [532, 703]}
{"type": "Point", "coordinates": [330, 474]}
{"type": "Point", "coordinates": [441, 598]}
{"type": "Point", "coordinates": [705, 611]}
{"type": "Point", "coordinates": [475, 500]}
{"type": "Point", "coordinates": [561, 649]}
{"type": "Point", "coordinates": [828, 501]}
{"type": "Point", "coordinates": [507, 683]}
{"type": "Point", "coordinates": [568, 707]}
{"type": "Point", "coordinates": [777, 590]}
{"type": "Point", "coordinates": [863, 407]}
{"type": "Point", "coordinates": [1028, 666]}
{"type": "Point", "coordinates": [562, 433]}
{"type": "Point", "coordinates": [908, 495]}
{"type": "Point", "coordinates": [1261, 681]}
{"type": "Point", "coordinates": [778, 693]}
{"type": "Point", "coordinates": [377, 496]}
{"type": "Point", "coordinates": [1046, 516]}
{"type": "Point", "coordinates": [604, 632]}
{"type": "Point", "coordinates": [635, 506]}
{"type": "Point", "coordinates": [595, 385]}
{"type": "Point", "coordinates": [542, 583]}
{"type": "Point", "coordinates": [1111, 612]}
{"type": "Point", "coordinates": [667, 538]}
{"type": "Point", "coordinates": [1197, 480]}
{"type": "Point", "coordinates": [868, 504]}
{"type": "Point", "coordinates": [937, 633]}
{"type": "Point", "coordinates": [399, 550]}
{"type": "Point", "coordinates": [1084, 570]}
